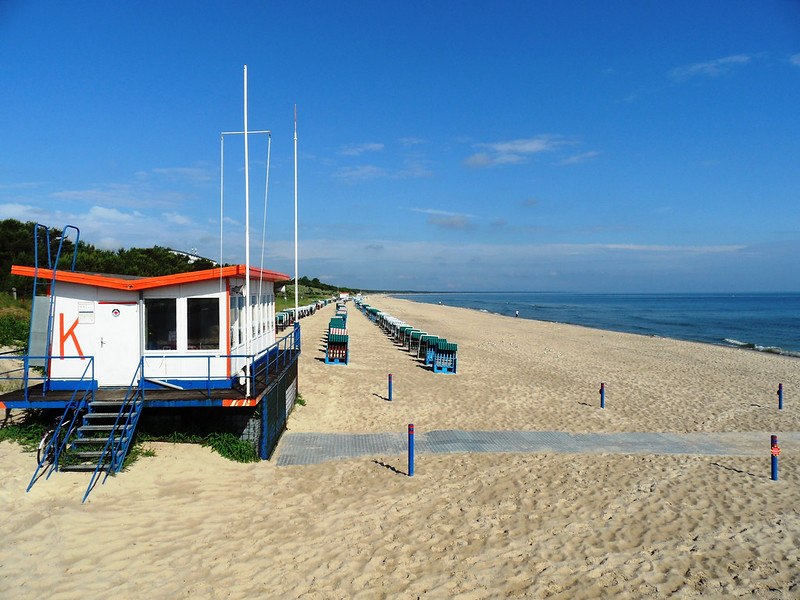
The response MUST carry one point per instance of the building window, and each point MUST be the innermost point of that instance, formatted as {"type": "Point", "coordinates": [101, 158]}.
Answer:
{"type": "Point", "coordinates": [160, 323]}
{"type": "Point", "coordinates": [202, 316]}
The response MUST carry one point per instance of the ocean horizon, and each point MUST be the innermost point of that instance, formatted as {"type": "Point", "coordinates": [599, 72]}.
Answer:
{"type": "Point", "coordinates": [764, 322]}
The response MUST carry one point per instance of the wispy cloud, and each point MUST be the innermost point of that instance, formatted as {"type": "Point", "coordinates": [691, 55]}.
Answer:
{"type": "Point", "coordinates": [668, 249]}
{"type": "Point", "coordinates": [530, 202]}
{"type": "Point", "coordinates": [712, 68]}
{"type": "Point", "coordinates": [451, 222]}
{"type": "Point", "coordinates": [795, 60]}
{"type": "Point", "coordinates": [512, 152]}
{"type": "Point", "coordinates": [22, 185]}
{"type": "Point", "coordinates": [359, 149]}
{"type": "Point", "coordinates": [448, 220]}
{"type": "Point", "coordinates": [360, 173]}
{"type": "Point", "coordinates": [191, 174]}
{"type": "Point", "coordinates": [412, 141]}
{"type": "Point", "coordinates": [443, 213]}
{"type": "Point", "coordinates": [579, 158]}
{"type": "Point", "coordinates": [415, 168]}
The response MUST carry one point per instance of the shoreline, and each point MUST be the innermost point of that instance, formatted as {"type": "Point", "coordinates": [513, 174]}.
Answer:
{"type": "Point", "coordinates": [725, 343]}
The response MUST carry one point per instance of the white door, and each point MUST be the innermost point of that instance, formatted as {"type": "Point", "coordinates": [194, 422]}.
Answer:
{"type": "Point", "coordinates": [118, 345]}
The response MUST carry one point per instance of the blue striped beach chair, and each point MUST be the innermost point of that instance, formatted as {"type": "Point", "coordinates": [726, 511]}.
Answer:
{"type": "Point", "coordinates": [445, 359]}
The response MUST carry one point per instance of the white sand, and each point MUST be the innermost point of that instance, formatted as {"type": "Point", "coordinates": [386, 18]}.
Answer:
{"type": "Point", "coordinates": [189, 524]}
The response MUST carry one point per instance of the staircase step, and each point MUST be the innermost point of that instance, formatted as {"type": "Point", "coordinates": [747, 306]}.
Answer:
{"type": "Point", "coordinates": [101, 415]}
{"type": "Point", "coordinates": [111, 427]}
{"type": "Point", "coordinates": [91, 441]}
{"type": "Point", "coordinates": [106, 404]}
{"type": "Point", "coordinates": [87, 467]}
{"type": "Point", "coordinates": [86, 454]}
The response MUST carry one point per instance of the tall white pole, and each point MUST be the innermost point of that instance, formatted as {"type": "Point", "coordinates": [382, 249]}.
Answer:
{"type": "Point", "coordinates": [247, 326]}
{"type": "Point", "coordinates": [296, 282]}
{"type": "Point", "coordinates": [221, 198]}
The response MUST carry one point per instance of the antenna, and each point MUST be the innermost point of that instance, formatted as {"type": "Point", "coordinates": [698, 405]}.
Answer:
{"type": "Point", "coordinates": [247, 327]}
{"type": "Point", "coordinates": [296, 282]}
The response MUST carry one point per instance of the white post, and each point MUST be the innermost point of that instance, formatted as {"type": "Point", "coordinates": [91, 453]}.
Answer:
{"type": "Point", "coordinates": [296, 282]}
{"type": "Point", "coordinates": [221, 197]}
{"type": "Point", "coordinates": [247, 326]}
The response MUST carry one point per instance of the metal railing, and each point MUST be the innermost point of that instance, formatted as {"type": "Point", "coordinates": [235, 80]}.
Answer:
{"type": "Point", "coordinates": [28, 377]}
{"type": "Point", "coordinates": [120, 437]}
{"type": "Point", "coordinates": [257, 366]}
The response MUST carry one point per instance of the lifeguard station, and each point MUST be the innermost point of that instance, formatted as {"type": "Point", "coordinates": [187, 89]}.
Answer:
{"type": "Point", "coordinates": [104, 348]}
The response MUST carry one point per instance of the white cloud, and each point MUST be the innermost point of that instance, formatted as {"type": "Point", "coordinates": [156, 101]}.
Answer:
{"type": "Point", "coordinates": [190, 174]}
{"type": "Point", "coordinates": [795, 60]}
{"type": "Point", "coordinates": [443, 213]}
{"type": "Point", "coordinates": [452, 222]}
{"type": "Point", "coordinates": [22, 185]}
{"type": "Point", "coordinates": [478, 160]}
{"type": "Point", "coordinates": [579, 158]}
{"type": "Point", "coordinates": [176, 218]}
{"type": "Point", "coordinates": [513, 152]}
{"type": "Point", "coordinates": [358, 149]}
{"type": "Point", "coordinates": [712, 68]}
{"type": "Point", "coordinates": [360, 173]}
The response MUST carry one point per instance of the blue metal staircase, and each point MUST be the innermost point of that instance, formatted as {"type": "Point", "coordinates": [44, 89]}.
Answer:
{"type": "Point", "coordinates": [106, 440]}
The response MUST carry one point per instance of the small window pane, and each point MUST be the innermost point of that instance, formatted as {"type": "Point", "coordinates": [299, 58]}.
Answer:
{"type": "Point", "coordinates": [160, 320]}
{"type": "Point", "coordinates": [202, 323]}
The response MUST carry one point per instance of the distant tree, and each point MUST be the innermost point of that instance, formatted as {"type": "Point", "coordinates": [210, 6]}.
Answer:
{"type": "Point", "coordinates": [17, 248]}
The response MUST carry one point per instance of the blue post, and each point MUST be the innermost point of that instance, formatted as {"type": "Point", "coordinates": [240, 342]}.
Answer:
{"type": "Point", "coordinates": [775, 451]}
{"type": "Point", "coordinates": [602, 395]}
{"type": "Point", "coordinates": [411, 450]}
{"type": "Point", "coordinates": [780, 396]}
{"type": "Point", "coordinates": [390, 387]}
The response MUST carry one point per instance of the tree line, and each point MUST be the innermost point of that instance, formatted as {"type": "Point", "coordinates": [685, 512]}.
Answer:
{"type": "Point", "coordinates": [17, 248]}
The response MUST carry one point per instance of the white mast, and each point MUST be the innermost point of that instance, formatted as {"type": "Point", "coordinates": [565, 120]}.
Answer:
{"type": "Point", "coordinates": [247, 326]}
{"type": "Point", "coordinates": [296, 282]}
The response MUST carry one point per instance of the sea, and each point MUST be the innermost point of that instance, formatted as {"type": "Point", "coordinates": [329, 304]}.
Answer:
{"type": "Point", "coordinates": [758, 322]}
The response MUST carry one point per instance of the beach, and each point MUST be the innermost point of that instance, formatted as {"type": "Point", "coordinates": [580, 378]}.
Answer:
{"type": "Point", "coordinates": [187, 523]}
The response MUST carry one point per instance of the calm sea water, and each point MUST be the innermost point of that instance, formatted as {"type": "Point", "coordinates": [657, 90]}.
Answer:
{"type": "Point", "coordinates": [763, 322]}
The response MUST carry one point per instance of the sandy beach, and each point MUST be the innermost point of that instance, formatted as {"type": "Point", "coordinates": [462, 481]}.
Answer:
{"type": "Point", "coordinates": [187, 523]}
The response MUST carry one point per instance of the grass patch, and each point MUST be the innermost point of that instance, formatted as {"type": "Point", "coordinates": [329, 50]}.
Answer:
{"type": "Point", "coordinates": [28, 431]}
{"type": "Point", "coordinates": [226, 445]}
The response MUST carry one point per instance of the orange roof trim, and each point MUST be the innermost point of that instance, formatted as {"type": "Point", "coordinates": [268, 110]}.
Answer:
{"type": "Point", "coordinates": [146, 283]}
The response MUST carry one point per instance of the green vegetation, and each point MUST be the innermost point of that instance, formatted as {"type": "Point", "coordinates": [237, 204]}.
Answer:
{"type": "Point", "coordinates": [226, 445]}
{"type": "Point", "coordinates": [27, 431]}
{"type": "Point", "coordinates": [231, 447]}
{"type": "Point", "coordinates": [17, 248]}
{"type": "Point", "coordinates": [300, 400]}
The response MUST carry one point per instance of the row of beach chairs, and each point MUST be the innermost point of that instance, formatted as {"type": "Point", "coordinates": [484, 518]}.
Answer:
{"type": "Point", "coordinates": [436, 352]}
{"type": "Point", "coordinates": [337, 348]}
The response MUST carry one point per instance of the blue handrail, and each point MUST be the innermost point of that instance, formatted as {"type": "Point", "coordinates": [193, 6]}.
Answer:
{"type": "Point", "coordinates": [73, 405]}
{"type": "Point", "coordinates": [118, 447]}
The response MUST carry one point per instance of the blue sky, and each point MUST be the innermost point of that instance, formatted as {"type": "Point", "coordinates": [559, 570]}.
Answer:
{"type": "Point", "coordinates": [630, 146]}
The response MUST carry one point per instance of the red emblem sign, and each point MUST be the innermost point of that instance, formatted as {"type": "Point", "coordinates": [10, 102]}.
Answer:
{"type": "Point", "coordinates": [775, 450]}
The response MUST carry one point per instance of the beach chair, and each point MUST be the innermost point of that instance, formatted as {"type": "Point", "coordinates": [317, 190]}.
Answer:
{"type": "Point", "coordinates": [427, 346]}
{"type": "Point", "coordinates": [445, 359]}
{"type": "Point", "coordinates": [409, 336]}
{"type": "Point", "coordinates": [414, 340]}
{"type": "Point", "coordinates": [401, 333]}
